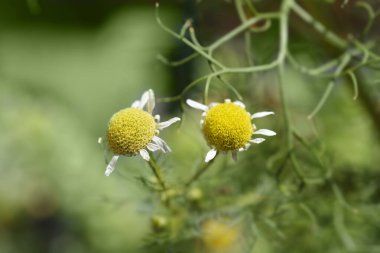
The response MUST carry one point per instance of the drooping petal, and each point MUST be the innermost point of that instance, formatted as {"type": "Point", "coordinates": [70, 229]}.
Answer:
{"type": "Point", "coordinates": [266, 132]}
{"type": "Point", "coordinates": [257, 140]}
{"type": "Point", "coordinates": [151, 101]}
{"type": "Point", "coordinates": [153, 147]}
{"type": "Point", "coordinates": [167, 123]}
{"type": "Point", "coordinates": [196, 105]}
{"type": "Point", "coordinates": [111, 165]}
{"type": "Point", "coordinates": [261, 114]}
{"type": "Point", "coordinates": [162, 144]}
{"type": "Point", "coordinates": [144, 99]}
{"type": "Point", "coordinates": [144, 154]}
{"type": "Point", "coordinates": [210, 155]}
{"type": "Point", "coordinates": [239, 103]}
{"type": "Point", "coordinates": [136, 104]}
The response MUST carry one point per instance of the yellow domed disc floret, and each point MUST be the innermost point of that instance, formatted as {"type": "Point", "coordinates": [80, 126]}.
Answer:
{"type": "Point", "coordinates": [227, 127]}
{"type": "Point", "coordinates": [130, 130]}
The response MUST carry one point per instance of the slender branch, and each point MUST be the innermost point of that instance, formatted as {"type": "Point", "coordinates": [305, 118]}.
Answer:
{"type": "Point", "coordinates": [323, 99]}
{"type": "Point", "coordinates": [319, 27]}
{"type": "Point", "coordinates": [157, 172]}
{"type": "Point", "coordinates": [242, 28]}
{"type": "Point", "coordinates": [200, 172]}
{"type": "Point", "coordinates": [177, 63]}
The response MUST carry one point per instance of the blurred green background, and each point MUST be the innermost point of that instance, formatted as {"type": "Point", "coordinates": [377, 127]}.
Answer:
{"type": "Point", "coordinates": [67, 65]}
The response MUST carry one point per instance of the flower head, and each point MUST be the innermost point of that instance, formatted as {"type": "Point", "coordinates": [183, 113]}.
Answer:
{"type": "Point", "coordinates": [134, 131]}
{"type": "Point", "coordinates": [227, 127]}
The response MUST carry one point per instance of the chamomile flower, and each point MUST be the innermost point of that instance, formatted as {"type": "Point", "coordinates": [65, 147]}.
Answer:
{"type": "Point", "coordinates": [134, 131]}
{"type": "Point", "coordinates": [227, 127]}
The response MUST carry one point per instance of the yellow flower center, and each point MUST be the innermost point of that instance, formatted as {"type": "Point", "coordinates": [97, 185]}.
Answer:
{"type": "Point", "coordinates": [227, 127]}
{"type": "Point", "coordinates": [130, 130]}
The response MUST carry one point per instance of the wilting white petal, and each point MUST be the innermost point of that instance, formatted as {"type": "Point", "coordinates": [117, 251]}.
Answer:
{"type": "Point", "coordinates": [261, 114]}
{"type": "Point", "coordinates": [210, 155]}
{"type": "Point", "coordinates": [111, 165]}
{"type": "Point", "coordinates": [100, 140]}
{"type": "Point", "coordinates": [153, 147]}
{"type": "Point", "coordinates": [144, 99]}
{"type": "Point", "coordinates": [257, 140]}
{"type": "Point", "coordinates": [239, 104]}
{"type": "Point", "coordinates": [161, 143]}
{"type": "Point", "coordinates": [136, 104]}
{"type": "Point", "coordinates": [196, 105]}
{"type": "Point", "coordinates": [151, 101]}
{"type": "Point", "coordinates": [144, 154]}
{"type": "Point", "coordinates": [234, 155]}
{"type": "Point", "coordinates": [167, 123]}
{"type": "Point", "coordinates": [265, 132]}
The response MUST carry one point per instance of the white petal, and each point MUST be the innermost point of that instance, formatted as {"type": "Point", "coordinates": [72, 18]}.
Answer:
{"type": "Point", "coordinates": [111, 165]}
{"type": "Point", "coordinates": [153, 147]}
{"type": "Point", "coordinates": [100, 140]}
{"type": "Point", "coordinates": [257, 140]}
{"type": "Point", "coordinates": [227, 100]}
{"type": "Point", "coordinates": [210, 155]}
{"type": "Point", "coordinates": [157, 118]}
{"type": "Point", "coordinates": [265, 132]}
{"type": "Point", "coordinates": [196, 105]}
{"type": "Point", "coordinates": [239, 104]}
{"type": "Point", "coordinates": [261, 114]}
{"type": "Point", "coordinates": [162, 144]}
{"type": "Point", "coordinates": [254, 126]}
{"type": "Point", "coordinates": [144, 154]}
{"type": "Point", "coordinates": [234, 155]}
{"type": "Point", "coordinates": [144, 99]}
{"type": "Point", "coordinates": [167, 123]}
{"type": "Point", "coordinates": [151, 101]}
{"type": "Point", "coordinates": [136, 104]}
{"type": "Point", "coordinates": [213, 104]}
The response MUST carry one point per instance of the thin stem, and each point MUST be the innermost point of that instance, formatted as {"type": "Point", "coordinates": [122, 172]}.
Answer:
{"type": "Point", "coordinates": [355, 84]}
{"type": "Point", "coordinates": [200, 172]}
{"type": "Point", "coordinates": [207, 88]}
{"type": "Point", "coordinates": [320, 104]}
{"type": "Point", "coordinates": [185, 40]}
{"type": "Point", "coordinates": [157, 172]}
{"type": "Point", "coordinates": [242, 28]}
{"type": "Point", "coordinates": [319, 27]}
{"type": "Point", "coordinates": [178, 62]}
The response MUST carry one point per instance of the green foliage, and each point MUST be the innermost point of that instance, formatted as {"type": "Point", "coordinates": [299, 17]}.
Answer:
{"type": "Point", "coordinates": [312, 188]}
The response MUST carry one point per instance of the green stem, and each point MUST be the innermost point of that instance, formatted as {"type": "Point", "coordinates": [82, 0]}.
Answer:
{"type": "Point", "coordinates": [157, 172]}
{"type": "Point", "coordinates": [199, 172]}
{"type": "Point", "coordinates": [242, 28]}
{"type": "Point", "coordinates": [319, 27]}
